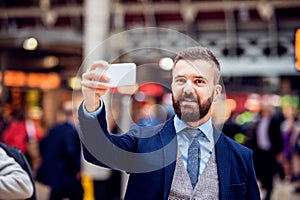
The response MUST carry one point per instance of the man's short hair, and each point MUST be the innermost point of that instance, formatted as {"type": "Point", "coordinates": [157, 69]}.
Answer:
{"type": "Point", "coordinates": [200, 53]}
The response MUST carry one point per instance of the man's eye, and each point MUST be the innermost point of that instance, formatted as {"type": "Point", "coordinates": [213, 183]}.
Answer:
{"type": "Point", "coordinates": [199, 81]}
{"type": "Point", "coordinates": [180, 80]}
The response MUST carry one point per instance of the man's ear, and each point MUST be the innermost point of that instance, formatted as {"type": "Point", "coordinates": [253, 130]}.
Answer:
{"type": "Point", "coordinates": [172, 85]}
{"type": "Point", "coordinates": [218, 90]}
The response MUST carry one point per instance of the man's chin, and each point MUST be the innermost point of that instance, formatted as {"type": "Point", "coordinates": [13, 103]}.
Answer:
{"type": "Point", "coordinates": [189, 119]}
{"type": "Point", "coordinates": [190, 116]}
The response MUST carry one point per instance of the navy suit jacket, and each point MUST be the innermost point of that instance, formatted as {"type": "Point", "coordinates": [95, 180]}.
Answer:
{"type": "Point", "coordinates": [236, 174]}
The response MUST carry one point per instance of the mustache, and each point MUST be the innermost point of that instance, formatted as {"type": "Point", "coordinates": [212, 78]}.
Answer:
{"type": "Point", "coordinates": [188, 97]}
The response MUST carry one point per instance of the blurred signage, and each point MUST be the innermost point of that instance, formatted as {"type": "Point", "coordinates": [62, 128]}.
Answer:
{"type": "Point", "coordinates": [297, 49]}
{"type": "Point", "coordinates": [31, 80]}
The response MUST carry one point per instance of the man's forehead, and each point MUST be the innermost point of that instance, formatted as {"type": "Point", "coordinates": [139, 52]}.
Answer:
{"type": "Point", "coordinates": [192, 66]}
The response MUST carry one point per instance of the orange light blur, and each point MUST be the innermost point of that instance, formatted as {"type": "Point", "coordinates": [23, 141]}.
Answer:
{"type": "Point", "coordinates": [43, 81]}
{"type": "Point", "coordinates": [14, 78]}
{"type": "Point", "coordinates": [32, 80]}
{"type": "Point", "coordinates": [297, 49]}
{"type": "Point", "coordinates": [51, 81]}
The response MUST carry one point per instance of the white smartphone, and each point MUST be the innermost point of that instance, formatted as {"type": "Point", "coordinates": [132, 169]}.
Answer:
{"type": "Point", "coordinates": [121, 74]}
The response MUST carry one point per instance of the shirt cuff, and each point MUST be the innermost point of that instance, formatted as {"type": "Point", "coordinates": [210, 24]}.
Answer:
{"type": "Point", "coordinates": [94, 113]}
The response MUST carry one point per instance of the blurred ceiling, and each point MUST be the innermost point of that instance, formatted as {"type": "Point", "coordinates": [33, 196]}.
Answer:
{"type": "Point", "coordinates": [59, 24]}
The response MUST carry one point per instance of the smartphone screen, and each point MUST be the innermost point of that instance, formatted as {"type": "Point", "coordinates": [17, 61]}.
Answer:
{"type": "Point", "coordinates": [121, 74]}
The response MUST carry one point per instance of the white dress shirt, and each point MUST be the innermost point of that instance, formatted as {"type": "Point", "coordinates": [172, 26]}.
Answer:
{"type": "Point", "coordinates": [184, 141]}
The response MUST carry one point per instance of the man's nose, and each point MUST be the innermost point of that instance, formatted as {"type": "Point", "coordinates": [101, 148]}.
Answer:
{"type": "Point", "coordinates": [188, 87]}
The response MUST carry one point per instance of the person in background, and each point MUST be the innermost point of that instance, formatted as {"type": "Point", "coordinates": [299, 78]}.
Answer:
{"type": "Point", "coordinates": [296, 153]}
{"type": "Point", "coordinates": [15, 182]}
{"type": "Point", "coordinates": [267, 145]}
{"type": "Point", "coordinates": [209, 165]}
{"type": "Point", "coordinates": [287, 130]}
{"type": "Point", "coordinates": [230, 127]}
{"type": "Point", "coordinates": [24, 133]}
{"type": "Point", "coordinates": [61, 159]}
{"type": "Point", "coordinates": [3, 124]}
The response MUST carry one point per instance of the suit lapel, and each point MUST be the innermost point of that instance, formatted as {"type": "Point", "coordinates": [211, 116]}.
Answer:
{"type": "Point", "coordinates": [169, 143]}
{"type": "Point", "coordinates": [223, 164]}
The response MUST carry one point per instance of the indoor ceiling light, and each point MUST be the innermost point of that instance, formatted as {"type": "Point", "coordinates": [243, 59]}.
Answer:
{"type": "Point", "coordinates": [50, 62]}
{"type": "Point", "coordinates": [75, 83]}
{"type": "Point", "coordinates": [166, 63]}
{"type": "Point", "coordinates": [30, 44]}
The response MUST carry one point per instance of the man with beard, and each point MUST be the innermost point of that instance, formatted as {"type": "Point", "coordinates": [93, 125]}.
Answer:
{"type": "Point", "coordinates": [184, 158]}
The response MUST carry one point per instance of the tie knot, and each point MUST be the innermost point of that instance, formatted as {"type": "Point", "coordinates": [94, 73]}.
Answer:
{"type": "Point", "coordinates": [194, 133]}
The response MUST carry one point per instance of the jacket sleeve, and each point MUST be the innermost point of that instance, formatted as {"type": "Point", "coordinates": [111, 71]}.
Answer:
{"type": "Point", "coordinates": [99, 146]}
{"type": "Point", "coordinates": [14, 181]}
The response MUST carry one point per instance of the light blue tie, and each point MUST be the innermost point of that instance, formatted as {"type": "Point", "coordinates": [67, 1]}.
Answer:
{"type": "Point", "coordinates": [193, 162]}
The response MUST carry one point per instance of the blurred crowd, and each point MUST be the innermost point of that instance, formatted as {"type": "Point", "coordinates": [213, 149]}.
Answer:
{"type": "Point", "coordinates": [54, 155]}
{"type": "Point", "coordinates": [271, 131]}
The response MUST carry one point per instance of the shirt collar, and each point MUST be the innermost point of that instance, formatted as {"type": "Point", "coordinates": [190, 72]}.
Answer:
{"type": "Point", "coordinates": [206, 127]}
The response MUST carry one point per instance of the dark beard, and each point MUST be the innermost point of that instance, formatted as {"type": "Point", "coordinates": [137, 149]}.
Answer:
{"type": "Point", "coordinates": [191, 113]}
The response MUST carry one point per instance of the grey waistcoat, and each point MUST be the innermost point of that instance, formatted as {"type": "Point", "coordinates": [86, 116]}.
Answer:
{"type": "Point", "coordinates": [207, 187]}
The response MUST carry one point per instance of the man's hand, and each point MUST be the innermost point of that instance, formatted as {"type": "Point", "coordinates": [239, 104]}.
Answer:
{"type": "Point", "coordinates": [94, 84]}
